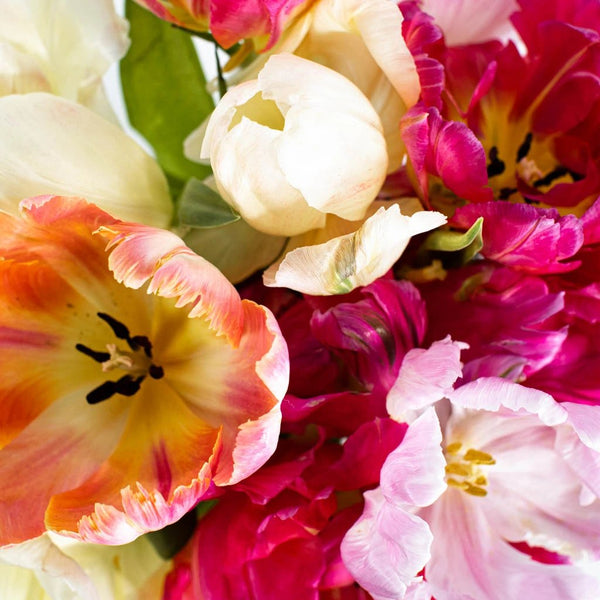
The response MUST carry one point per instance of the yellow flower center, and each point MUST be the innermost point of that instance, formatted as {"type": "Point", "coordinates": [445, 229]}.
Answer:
{"type": "Point", "coordinates": [465, 470]}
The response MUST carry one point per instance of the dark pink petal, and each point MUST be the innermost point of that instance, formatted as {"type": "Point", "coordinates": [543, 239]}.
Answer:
{"type": "Point", "coordinates": [448, 150]}
{"type": "Point", "coordinates": [523, 236]}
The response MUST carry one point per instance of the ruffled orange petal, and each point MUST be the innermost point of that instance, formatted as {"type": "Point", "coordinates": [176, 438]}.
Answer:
{"type": "Point", "coordinates": [159, 471]}
{"type": "Point", "coordinates": [61, 448]}
{"type": "Point", "coordinates": [140, 253]}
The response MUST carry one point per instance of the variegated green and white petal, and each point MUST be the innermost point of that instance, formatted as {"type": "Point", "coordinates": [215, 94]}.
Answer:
{"type": "Point", "coordinates": [352, 260]}
{"type": "Point", "coordinates": [49, 145]}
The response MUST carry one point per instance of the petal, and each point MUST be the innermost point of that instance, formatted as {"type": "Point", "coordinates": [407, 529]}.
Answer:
{"type": "Point", "coordinates": [344, 263]}
{"type": "Point", "coordinates": [97, 160]}
{"type": "Point", "coordinates": [57, 453]}
{"type": "Point", "coordinates": [524, 236]}
{"type": "Point", "coordinates": [237, 388]}
{"type": "Point", "coordinates": [470, 560]}
{"type": "Point", "coordinates": [439, 147]}
{"type": "Point", "coordinates": [483, 25]}
{"type": "Point", "coordinates": [28, 567]}
{"type": "Point", "coordinates": [344, 187]}
{"type": "Point", "coordinates": [425, 377]}
{"type": "Point", "coordinates": [379, 24]}
{"type": "Point", "coordinates": [413, 474]}
{"type": "Point", "coordinates": [134, 568]}
{"type": "Point", "coordinates": [158, 471]}
{"type": "Point", "coordinates": [139, 254]}
{"type": "Point", "coordinates": [72, 44]}
{"type": "Point", "coordinates": [386, 547]}
{"type": "Point", "coordinates": [249, 177]}
{"type": "Point", "coordinates": [491, 393]}
{"type": "Point", "coordinates": [585, 420]}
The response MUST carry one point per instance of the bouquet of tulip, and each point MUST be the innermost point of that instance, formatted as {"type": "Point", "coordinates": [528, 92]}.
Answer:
{"type": "Point", "coordinates": [323, 326]}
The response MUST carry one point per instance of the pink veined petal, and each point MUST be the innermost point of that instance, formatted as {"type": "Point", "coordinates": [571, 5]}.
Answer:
{"type": "Point", "coordinates": [492, 393]}
{"type": "Point", "coordinates": [579, 446]}
{"type": "Point", "coordinates": [140, 253]}
{"type": "Point", "coordinates": [468, 559]}
{"type": "Point", "coordinates": [386, 547]}
{"type": "Point", "coordinates": [413, 474]}
{"type": "Point", "coordinates": [585, 420]}
{"type": "Point", "coordinates": [426, 376]}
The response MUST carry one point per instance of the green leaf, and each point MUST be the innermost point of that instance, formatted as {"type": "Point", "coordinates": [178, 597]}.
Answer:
{"type": "Point", "coordinates": [165, 91]}
{"type": "Point", "coordinates": [462, 246]}
{"type": "Point", "coordinates": [201, 207]}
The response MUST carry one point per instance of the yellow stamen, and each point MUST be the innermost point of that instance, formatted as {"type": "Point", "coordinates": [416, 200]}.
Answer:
{"type": "Point", "coordinates": [458, 469]}
{"type": "Point", "coordinates": [478, 457]}
{"type": "Point", "coordinates": [463, 470]}
{"type": "Point", "coordinates": [474, 490]}
{"type": "Point", "coordinates": [456, 483]}
{"type": "Point", "coordinates": [454, 447]}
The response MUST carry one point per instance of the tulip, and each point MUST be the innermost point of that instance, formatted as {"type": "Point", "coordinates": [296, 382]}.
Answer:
{"type": "Point", "coordinates": [229, 21]}
{"type": "Point", "coordinates": [495, 495]}
{"type": "Point", "coordinates": [60, 47]}
{"type": "Point", "coordinates": [131, 381]}
{"type": "Point", "coordinates": [53, 567]}
{"type": "Point", "coordinates": [294, 145]}
{"type": "Point", "coordinates": [50, 145]}
{"type": "Point", "coordinates": [363, 41]}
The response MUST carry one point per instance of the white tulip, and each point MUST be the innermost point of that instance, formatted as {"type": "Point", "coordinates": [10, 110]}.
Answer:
{"type": "Point", "coordinates": [63, 47]}
{"type": "Point", "coordinates": [297, 143]}
{"type": "Point", "coordinates": [49, 145]}
{"type": "Point", "coordinates": [52, 567]}
{"type": "Point", "coordinates": [362, 40]}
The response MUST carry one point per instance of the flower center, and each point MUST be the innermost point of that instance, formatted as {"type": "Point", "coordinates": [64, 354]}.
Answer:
{"type": "Point", "coordinates": [136, 362]}
{"type": "Point", "coordinates": [464, 470]}
{"type": "Point", "coordinates": [534, 164]}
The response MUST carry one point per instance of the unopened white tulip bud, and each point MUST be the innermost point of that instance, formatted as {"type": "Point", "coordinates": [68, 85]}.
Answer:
{"type": "Point", "coordinates": [295, 144]}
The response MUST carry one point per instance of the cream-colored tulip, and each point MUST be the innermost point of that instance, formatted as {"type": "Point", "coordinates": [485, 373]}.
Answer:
{"type": "Point", "coordinates": [362, 40]}
{"type": "Point", "coordinates": [52, 567]}
{"type": "Point", "coordinates": [295, 144]}
{"type": "Point", "coordinates": [49, 145]}
{"type": "Point", "coordinates": [61, 47]}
